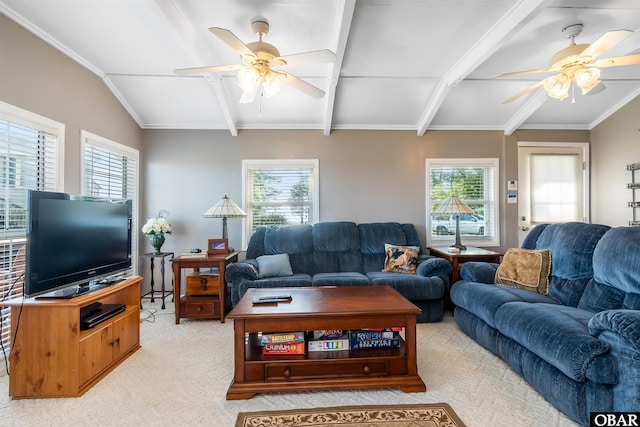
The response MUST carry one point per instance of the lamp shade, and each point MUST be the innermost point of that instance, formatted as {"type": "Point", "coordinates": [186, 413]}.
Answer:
{"type": "Point", "coordinates": [225, 208]}
{"type": "Point", "coordinates": [453, 206]}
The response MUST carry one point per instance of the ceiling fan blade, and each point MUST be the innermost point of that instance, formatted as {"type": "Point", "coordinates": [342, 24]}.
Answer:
{"type": "Point", "coordinates": [604, 43]}
{"type": "Point", "coordinates": [234, 42]}
{"type": "Point", "coordinates": [304, 58]}
{"type": "Point", "coordinates": [597, 89]}
{"type": "Point", "coordinates": [303, 86]}
{"type": "Point", "coordinates": [617, 61]}
{"type": "Point", "coordinates": [537, 70]}
{"type": "Point", "coordinates": [212, 69]}
{"type": "Point", "coordinates": [524, 92]}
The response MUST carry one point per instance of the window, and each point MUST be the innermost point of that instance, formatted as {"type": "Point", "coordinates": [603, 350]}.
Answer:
{"type": "Point", "coordinates": [31, 158]}
{"type": "Point", "coordinates": [475, 182]}
{"type": "Point", "coordinates": [110, 170]}
{"type": "Point", "coordinates": [279, 192]}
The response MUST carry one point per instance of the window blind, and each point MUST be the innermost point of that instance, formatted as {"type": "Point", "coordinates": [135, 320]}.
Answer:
{"type": "Point", "coordinates": [28, 161]}
{"type": "Point", "coordinates": [280, 192]}
{"type": "Point", "coordinates": [473, 182]}
{"type": "Point", "coordinates": [110, 170]}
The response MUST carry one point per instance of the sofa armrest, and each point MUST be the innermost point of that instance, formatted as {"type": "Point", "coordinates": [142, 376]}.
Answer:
{"type": "Point", "coordinates": [620, 329]}
{"type": "Point", "coordinates": [246, 269]}
{"type": "Point", "coordinates": [624, 324]}
{"type": "Point", "coordinates": [482, 272]}
{"type": "Point", "coordinates": [434, 266]}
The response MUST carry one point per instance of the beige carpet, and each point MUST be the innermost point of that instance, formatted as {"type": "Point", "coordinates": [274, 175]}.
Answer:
{"type": "Point", "coordinates": [426, 415]}
{"type": "Point", "coordinates": [180, 377]}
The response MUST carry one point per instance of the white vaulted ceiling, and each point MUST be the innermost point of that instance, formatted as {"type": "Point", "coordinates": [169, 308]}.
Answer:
{"type": "Point", "coordinates": [401, 64]}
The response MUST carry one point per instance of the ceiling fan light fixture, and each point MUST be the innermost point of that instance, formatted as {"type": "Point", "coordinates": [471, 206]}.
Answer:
{"type": "Point", "coordinates": [249, 82]}
{"type": "Point", "coordinates": [272, 83]}
{"type": "Point", "coordinates": [558, 86]}
{"type": "Point", "coordinates": [587, 78]}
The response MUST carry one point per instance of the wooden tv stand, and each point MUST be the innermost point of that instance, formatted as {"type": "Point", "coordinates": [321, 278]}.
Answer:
{"type": "Point", "coordinates": [52, 357]}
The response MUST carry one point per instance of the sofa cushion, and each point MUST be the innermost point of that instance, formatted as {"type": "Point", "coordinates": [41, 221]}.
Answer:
{"type": "Point", "coordinates": [336, 247]}
{"type": "Point", "coordinates": [525, 269]}
{"type": "Point", "coordinates": [295, 240]}
{"type": "Point", "coordinates": [616, 276]}
{"type": "Point", "coordinates": [274, 266]}
{"type": "Point", "coordinates": [483, 300]}
{"type": "Point", "coordinates": [401, 259]}
{"type": "Point", "coordinates": [571, 245]}
{"type": "Point", "coordinates": [411, 286]}
{"type": "Point", "coordinates": [340, 279]}
{"type": "Point", "coordinates": [335, 236]}
{"type": "Point", "coordinates": [373, 237]}
{"type": "Point", "coordinates": [557, 334]}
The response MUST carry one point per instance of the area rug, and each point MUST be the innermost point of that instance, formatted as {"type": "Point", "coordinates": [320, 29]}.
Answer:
{"type": "Point", "coordinates": [425, 415]}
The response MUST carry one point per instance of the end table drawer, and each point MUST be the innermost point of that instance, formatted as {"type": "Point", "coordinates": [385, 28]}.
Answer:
{"type": "Point", "coordinates": [201, 307]}
{"type": "Point", "coordinates": [283, 371]}
{"type": "Point", "coordinates": [203, 284]}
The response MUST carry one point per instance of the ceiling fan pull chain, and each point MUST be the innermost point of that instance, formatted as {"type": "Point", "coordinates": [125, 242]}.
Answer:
{"type": "Point", "coordinates": [573, 93]}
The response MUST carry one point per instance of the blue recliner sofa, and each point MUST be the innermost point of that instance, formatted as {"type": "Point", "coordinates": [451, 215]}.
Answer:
{"type": "Point", "coordinates": [579, 346]}
{"type": "Point", "coordinates": [342, 254]}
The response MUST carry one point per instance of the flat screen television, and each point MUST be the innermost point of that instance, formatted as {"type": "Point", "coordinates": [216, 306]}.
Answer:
{"type": "Point", "coordinates": [73, 242]}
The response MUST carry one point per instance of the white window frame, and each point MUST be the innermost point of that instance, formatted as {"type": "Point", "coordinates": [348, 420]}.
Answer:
{"type": "Point", "coordinates": [486, 241]}
{"type": "Point", "coordinates": [249, 165]}
{"type": "Point", "coordinates": [88, 138]}
{"type": "Point", "coordinates": [19, 116]}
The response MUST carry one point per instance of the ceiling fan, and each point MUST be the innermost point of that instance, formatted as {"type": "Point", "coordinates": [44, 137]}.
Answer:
{"type": "Point", "coordinates": [577, 64]}
{"type": "Point", "coordinates": [261, 62]}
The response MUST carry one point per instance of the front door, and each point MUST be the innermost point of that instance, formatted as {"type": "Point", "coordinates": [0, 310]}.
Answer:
{"type": "Point", "coordinates": [553, 184]}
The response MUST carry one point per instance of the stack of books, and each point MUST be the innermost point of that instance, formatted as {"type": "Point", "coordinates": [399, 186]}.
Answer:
{"type": "Point", "coordinates": [361, 339]}
{"type": "Point", "coordinates": [283, 343]}
{"type": "Point", "coordinates": [328, 340]}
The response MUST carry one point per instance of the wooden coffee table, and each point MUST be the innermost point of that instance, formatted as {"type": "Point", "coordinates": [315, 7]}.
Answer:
{"type": "Point", "coordinates": [313, 308]}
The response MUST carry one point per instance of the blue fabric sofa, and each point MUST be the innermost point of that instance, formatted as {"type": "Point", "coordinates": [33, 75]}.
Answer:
{"type": "Point", "coordinates": [579, 346]}
{"type": "Point", "coordinates": [343, 254]}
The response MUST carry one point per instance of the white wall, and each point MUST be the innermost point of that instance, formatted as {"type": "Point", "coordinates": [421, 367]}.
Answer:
{"type": "Point", "coordinates": [38, 78]}
{"type": "Point", "coordinates": [365, 176]}
{"type": "Point", "coordinates": [615, 143]}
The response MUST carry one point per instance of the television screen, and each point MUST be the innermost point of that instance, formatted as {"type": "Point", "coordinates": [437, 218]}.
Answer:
{"type": "Point", "coordinates": [74, 240]}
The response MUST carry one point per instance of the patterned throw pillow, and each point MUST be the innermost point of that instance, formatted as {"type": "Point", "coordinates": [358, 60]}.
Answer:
{"type": "Point", "coordinates": [525, 269]}
{"type": "Point", "coordinates": [401, 259]}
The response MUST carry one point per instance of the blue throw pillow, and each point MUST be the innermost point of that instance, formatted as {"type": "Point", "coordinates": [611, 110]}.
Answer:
{"type": "Point", "coordinates": [274, 266]}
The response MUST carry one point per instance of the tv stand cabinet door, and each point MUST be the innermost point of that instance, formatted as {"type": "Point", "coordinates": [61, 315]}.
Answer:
{"type": "Point", "coordinates": [126, 334]}
{"type": "Point", "coordinates": [96, 352]}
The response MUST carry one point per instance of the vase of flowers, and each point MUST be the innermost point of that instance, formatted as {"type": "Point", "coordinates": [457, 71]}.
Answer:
{"type": "Point", "coordinates": [156, 228]}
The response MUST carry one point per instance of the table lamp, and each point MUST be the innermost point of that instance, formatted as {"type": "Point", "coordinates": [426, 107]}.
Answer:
{"type": "Point", "coordinates": [454, 206]}
{"type": "Point", "coordinates": [224, 209]}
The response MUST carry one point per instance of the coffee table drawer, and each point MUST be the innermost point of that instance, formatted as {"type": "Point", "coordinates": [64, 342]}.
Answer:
{"type": "Point", "coordinates": [284, 371]}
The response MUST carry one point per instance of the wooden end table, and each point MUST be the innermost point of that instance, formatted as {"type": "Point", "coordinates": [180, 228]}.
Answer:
{"type": "Point", "coordinates": [201, 306]}
{"type": "Point", "coordinates": [313, 308]}
{"type": "Point", "coordinates": [457, 259]}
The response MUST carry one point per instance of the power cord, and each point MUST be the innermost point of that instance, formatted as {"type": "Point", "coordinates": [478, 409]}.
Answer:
{"type": "Point", "coordinates": [4, 351]}
{"type": "Point", "coordinates": [150, 315]}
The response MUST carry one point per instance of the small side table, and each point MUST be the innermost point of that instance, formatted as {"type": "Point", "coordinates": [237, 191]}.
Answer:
{"type": "Point", "coordinates": [163, 293]}
{"type": "Point", "coordinates": [201, 306]}
{"type": "Point", "coordinates": [458, 258]}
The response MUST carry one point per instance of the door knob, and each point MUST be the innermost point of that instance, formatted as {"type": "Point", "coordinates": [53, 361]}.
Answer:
{"type": "Point", "coordinates": [524, 228]}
